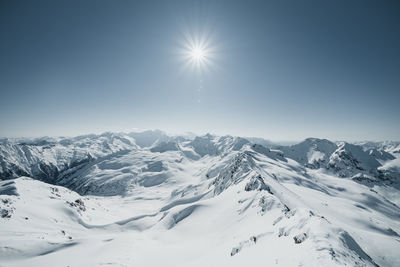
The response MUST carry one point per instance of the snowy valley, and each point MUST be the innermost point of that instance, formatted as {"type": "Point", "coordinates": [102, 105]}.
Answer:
{"type": "Point", "coordinates": [151, 199]}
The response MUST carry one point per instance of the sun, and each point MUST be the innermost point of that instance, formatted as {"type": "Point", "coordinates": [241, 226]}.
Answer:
{"type": "Point", "coordinates": [197, 52]}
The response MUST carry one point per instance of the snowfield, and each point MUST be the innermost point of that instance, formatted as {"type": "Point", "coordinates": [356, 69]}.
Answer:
{"type": "Point", "coordinates": [150, 199]}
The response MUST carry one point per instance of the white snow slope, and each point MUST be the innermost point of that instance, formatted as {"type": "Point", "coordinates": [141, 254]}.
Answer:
{"type": "Point", "coordinates": [110, 200]}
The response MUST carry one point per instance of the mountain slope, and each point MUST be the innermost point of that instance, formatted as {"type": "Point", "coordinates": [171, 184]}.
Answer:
{"type": "Point", "coordinates": [215, 201]}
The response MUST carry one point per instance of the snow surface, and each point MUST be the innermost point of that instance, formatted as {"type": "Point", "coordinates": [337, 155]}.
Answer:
{"type": "Point", "coordinates": [111, 200]}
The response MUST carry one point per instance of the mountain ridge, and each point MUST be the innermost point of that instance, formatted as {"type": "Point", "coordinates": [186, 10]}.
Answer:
{"type": "Point", "coordinates": [313, 203]}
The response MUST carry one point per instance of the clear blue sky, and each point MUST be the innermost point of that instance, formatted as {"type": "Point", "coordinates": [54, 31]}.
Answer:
{"type": "Point", "coordinates": [283, 70]}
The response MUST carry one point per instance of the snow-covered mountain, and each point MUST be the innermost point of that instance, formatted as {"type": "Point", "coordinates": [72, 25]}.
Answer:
{"type": "Point", "coordinates": [121, 199]}
{"type": "Point", "coordinates": [388, 146]}
{"type": "Point", "coordinates": [312, 152]}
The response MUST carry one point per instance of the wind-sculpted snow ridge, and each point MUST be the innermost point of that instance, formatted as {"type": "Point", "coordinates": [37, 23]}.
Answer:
{"type": "Point", "coordinates": [204, 201]}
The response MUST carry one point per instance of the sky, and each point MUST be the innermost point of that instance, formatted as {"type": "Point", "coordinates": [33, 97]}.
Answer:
{"type": "Point", "coordinates": [282, 70]}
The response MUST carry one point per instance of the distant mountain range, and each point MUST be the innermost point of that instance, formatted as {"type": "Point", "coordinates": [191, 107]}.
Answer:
{"type": "Point", "coordinates": [198, 201]}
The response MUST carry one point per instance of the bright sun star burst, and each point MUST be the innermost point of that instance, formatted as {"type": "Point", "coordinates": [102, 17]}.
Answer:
{"type": "Point", "coordinates": [197, 51]}
{"type": "Point", "coordinates": [197, 54]}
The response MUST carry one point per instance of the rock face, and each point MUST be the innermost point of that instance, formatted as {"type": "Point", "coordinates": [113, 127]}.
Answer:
{"type": "Point", "coordinates": [233, 172]}
{"type": "Point", "coordinates": [300, 238]}
{"type": "Point", "coordinates": [257, 183]}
